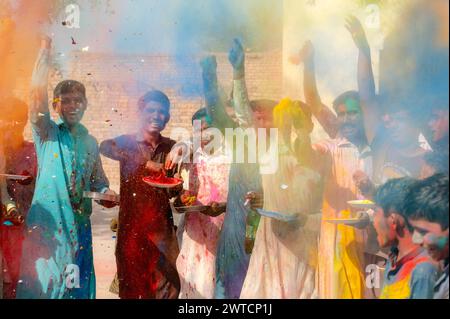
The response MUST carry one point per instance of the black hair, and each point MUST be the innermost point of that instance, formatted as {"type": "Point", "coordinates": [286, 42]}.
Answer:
{"type": "Point", "coordinates": [428, 199]}
{"type": "Point", "coordinates": [155, 96]}
{"type": "Point", "coordinates": [349, 95]}
{"type": "Point", "coordinates": [202, 112]}
{"type": "Point", "coordinates": [263, 105]}
{"type": "Point", "coordinates": [68, 86]}
{"type": "Point", "coordinates": [391, 196]}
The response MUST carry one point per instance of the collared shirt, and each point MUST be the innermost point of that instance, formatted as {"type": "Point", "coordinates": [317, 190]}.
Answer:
{"type": "Point", "coordinates": [146, 234]}
{"type": "Point", "coordinates": [411, 277]}
{"type": "Point", "coordinates": [58, 222]}
{"type": "Point", "coordinates": [340, 159]}
{"type": "Point", "coordinates": [441, 287]}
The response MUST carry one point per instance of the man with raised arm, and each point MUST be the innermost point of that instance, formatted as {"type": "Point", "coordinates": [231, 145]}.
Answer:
{"type": "Point", "coordinates": [395, 144]}
{"type": "Point", "coordinates": [57, 261]}
{"type": "Point", "coordinates": [341, 248]}
{"type": "Point", "coordinates": [233, 249]}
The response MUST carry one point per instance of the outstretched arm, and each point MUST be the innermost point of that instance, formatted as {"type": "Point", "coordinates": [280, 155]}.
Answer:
{"type": "Point", "coordinates": [214, 104]}
{"type": "Point", "coordinates": [366, 82]}
{"type": "Point", "coordinates": [242, 108]}
{"type": "Point", "coordinates": [323, 114]}
{"type": "Point", "coordinates": [39, 111]}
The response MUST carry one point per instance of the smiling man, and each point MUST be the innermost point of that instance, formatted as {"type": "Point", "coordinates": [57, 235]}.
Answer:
{"type": "Point", "coordinates": [426, 205]}
{"type": "Point", "coordinates": [147, 248]}
{"type": "Point", "coordinates": [58, 242]}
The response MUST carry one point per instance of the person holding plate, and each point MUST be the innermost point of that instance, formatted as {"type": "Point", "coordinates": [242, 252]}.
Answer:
{"type": "Point", "coordinates": [284, 259]}
{"type": "Point", "coordinates": [57, 261]}
{"type": "Point", "coordinates": [208, 183]}
{"type": "Point", "coordinates": [147, 247]}
{"type": "Point", "coordinates": [341, 248]}
{"type": "Point", "coordinates": [20, 156]}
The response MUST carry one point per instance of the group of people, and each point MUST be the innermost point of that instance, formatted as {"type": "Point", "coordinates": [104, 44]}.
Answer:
{"type": "Point", "coordinates": [250, 233]}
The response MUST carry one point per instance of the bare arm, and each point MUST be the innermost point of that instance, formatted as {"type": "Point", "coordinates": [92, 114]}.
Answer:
{"type": "Point", "coordinates": [39, 110]}
{"type": "Point", "coordinates": [366, 82]}
{"type": "Point", "coordinates": [323, 114]}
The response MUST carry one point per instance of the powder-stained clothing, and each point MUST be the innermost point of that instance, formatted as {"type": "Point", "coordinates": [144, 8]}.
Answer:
{"type": "Point", "coordinates": [232, 260]}
{"type": "Point", "coordinates": [441, 286]}
{"type": "Point", "coordinates": [411, 277]}
{"type": "Point", "coordinates": [196, 263]}
{"type": "Point", "coordinates": [21, 161]}
{"type": "Point", "coordinates": [284, 259]}
{"type": "Point", "coordinates": [57, 257]}
{"type": "Point", "coordinates": [146, 248]}
{"type": "Point", "coordinates": [341, 248]}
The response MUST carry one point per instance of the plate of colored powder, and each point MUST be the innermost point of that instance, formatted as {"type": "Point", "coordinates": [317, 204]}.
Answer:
{"type": "Point", "coordinates": [162, 181]}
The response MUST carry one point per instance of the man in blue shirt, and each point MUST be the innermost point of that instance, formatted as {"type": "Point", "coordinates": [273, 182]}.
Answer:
{"type": "Point", "coordinates": [57, 261]}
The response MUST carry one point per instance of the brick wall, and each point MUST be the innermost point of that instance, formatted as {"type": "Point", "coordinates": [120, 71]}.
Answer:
{"type": "Point", "coordinates": [114, 83]}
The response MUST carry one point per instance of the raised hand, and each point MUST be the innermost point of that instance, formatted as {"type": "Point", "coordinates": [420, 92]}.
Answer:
{"type": "Point", "coordinates": [354, 26]}
{"type": "Point", "coordinates": [42, 65]}
{"type": "Point", "coordinates": [305, 55]}
{"type": "Point", "coordinates": [236, 56]}
{"type": "Point", "coordinates": [209, 65]}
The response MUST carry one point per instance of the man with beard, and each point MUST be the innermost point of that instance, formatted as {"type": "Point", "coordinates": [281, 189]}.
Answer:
{"type": "Point", "coordinates": [341, 248]}
{"type": "Point", "coordinates": [20, 159]}
{"type": "Point", "coordinates": [147, 247]}
{"type": "Point", "coordinates": [395, 144]}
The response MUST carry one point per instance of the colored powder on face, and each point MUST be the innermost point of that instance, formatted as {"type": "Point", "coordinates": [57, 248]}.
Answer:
{"type": "Point", "coordinates": [352, 106]}
{"type": "Point", "coordinates": [438, 241]}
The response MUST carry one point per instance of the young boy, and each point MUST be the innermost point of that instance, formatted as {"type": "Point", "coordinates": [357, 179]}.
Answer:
{"type": "Point", "coordinates": [146, 248]}
{"type": "Point", "coordinates": [57, 258]}
{"type": "Point", "coordinates": [410, 272]}
{"type": "Point", "coordinates": [426, 206]}
{"type": "Point", "coordinates": [208, 182]}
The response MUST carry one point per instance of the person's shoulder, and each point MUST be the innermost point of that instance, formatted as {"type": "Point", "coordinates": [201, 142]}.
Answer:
{"type": "Point", "coordinates": [425, 267]}
{"type": "Point", "coordinates": [124, 139]}
{"type": "Point", "coordinates": [168, 141]}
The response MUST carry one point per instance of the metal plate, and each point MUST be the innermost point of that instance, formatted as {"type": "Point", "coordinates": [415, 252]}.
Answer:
{"type": "Point", "coordinates": [101, 196]}
{"type": "Point", "coordinates": [191, 209]}
{"type": "Point", "coordinates": [15, 177]}
{"type": "Point", "coordinates": [276, 215]}
{"type": "Point", "coordinates": [344, 221]}
{"type": "Point", "coordinates": [362, 204]}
